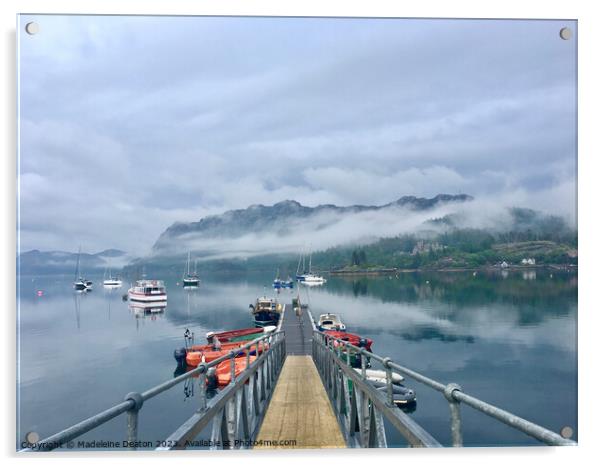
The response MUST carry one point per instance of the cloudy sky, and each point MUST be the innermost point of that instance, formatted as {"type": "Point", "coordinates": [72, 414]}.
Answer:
{"type": "Point", "coordinates": [128, 124]}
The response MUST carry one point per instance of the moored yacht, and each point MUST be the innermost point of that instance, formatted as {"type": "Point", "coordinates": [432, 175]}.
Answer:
{"type": "Point", "coordinates": [80, 283]}
{"type": "Point", "coordinates": [308, 278]}
{"type": "Point", "coordinates": [191, 279]}
{"type": "Point", "coordinates": [148, 291]}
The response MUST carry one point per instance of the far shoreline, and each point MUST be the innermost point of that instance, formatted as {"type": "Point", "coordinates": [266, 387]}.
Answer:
{"type": "Point", "coordinates": [487, 268]}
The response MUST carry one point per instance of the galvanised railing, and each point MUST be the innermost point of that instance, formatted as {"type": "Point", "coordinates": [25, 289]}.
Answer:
{"type": "Point", "coordinates": [360, 407]}
{"type": "Point", "coordinates": [236, 411]}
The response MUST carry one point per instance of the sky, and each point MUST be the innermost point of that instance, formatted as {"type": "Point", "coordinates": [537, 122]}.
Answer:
{"type": "Point", "coordinates": [129, 124]}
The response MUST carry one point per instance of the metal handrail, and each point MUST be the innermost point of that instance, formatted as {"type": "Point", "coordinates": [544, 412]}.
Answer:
{"type": "Point", "coordinates": [238, 410]}
{"type": "Point", "coordinates": [452, 392]}
{"type": "Point", "coordinates": [133, 401]}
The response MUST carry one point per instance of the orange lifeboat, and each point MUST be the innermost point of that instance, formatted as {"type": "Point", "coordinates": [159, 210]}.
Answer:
{"type": "Point", "coordinates": [207, 353]}
{"type": "Point", "coordinates": [223, 371]}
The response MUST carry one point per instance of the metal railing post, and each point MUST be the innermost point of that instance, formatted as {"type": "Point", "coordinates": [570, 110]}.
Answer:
{"type": "Point", "coordinates": [232, 367]}
{"type": "Point", "coordinates": [132, 418]}
{"type": "Point", "coordinates": [387, 365]}
{"type": "Point", "coordinates": [203, 387]}
{"type": "Point", "coordinates": [454, 407]}
{"type": "Point", "coordinates": [348, 356]}
{"type": "Point", "coordinates": [363, 361]}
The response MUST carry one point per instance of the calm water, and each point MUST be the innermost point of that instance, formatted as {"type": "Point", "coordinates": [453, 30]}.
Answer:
{"type": "Point", "coordinates": [509, 339]}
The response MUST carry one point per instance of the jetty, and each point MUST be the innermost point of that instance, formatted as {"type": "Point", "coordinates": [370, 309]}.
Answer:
{"type": "Point", "coordinates": [301, 392]}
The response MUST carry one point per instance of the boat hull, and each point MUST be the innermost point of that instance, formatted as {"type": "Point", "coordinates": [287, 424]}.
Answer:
{"type": "Point", "coordinates": [263, 318]}
{"type": "Point", "coordinates": [190, 282]}
{"type": "Point", "coordinates": [145, 298]}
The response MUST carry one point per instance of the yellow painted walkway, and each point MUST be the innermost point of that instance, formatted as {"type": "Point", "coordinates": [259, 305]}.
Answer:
{"type": "Point", "coordinates": [300, 410]}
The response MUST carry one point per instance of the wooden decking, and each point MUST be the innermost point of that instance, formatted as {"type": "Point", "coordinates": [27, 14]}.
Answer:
{"type": "Point", "coordinates": [300, 410]}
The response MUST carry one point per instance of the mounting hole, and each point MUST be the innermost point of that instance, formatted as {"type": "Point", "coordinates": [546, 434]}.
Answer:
{"type": "Point", "coordinates": [566, 33]}
{"type": "Point", "coordinates": [566, 432]}
{"type": "Point", "coordinates": [32, 437]}
{"type": "Point", "coordinates": [32, 28]}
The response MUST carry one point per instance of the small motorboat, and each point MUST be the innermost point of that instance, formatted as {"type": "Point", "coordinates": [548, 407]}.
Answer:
{"type": "Point", "coordinates": [330, 322]}
{"type": "Point", "coordinates": [243, 334]}
{"type": "Point", "coordinates": [376, 375]}
{"type": "Point", "coordinates": [197, 354]}
{"type": "Point", "coordinates": [223, 372]}
{"type": "Point", "coordinates": [288, 283]}
{"type": "Point", "coordinates": [266, 311]}
{"type": "Point", "coordinates": [402, 395]}
{"type": "Point", "coordinates": [355, 340]}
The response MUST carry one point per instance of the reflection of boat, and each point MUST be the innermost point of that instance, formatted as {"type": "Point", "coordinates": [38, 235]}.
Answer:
{"type": "Point", "coordinates": [266, 311]}
{"type": "Point", "coordinates": [144, 309]}
{"type": "Point", "coordinates": [148, 291]}
{"type": "Point", "coordinates": [190, 280]}
{"type": "Point", "coordinates": [243, 334]}
{"type": "Point", "coordinates": [330, 322]}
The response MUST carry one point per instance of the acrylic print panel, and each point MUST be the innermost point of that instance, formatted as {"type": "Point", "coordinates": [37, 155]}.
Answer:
{"type": "Point", "coordinates": [321, 194]}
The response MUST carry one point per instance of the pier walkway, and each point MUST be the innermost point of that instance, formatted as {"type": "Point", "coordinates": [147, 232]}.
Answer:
{"type": "Point", "coordinates": [300, 414]}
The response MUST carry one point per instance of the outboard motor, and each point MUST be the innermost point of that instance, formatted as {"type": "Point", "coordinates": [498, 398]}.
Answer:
{"type": "Point", "coordinates": [180, 355]}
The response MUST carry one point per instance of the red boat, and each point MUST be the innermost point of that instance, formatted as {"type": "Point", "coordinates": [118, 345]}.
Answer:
{"type": "Point", "coordinates": [351, 338]}
{"type": "Point", "coordinates": [243, 334]}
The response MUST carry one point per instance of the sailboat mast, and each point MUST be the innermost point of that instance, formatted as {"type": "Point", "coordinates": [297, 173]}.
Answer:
{"type": "Point", "coordinates": [77, 263]}
{"type": "Point", "coordinates": [188, 264]}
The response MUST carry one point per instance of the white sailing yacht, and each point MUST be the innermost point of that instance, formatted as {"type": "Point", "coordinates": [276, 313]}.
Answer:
{"type": "Point", "coordinates": [190, 280]}
{"type": "Point", "coordinates": [309, 278]}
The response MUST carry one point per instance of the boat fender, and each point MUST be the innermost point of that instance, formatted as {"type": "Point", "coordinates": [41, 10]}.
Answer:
{"type": "Point", "coordinates": [180, 354]}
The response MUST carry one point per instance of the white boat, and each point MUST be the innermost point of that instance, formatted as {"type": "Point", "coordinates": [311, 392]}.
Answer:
{"type": "Point", "coordinates": [376, 375]}
{"type": "Point", "coordinates": [190, 280]}
{"type": "Point", "coordinates": [308, 278]}
{"type": "Point", "coordinates": [330, 322]}
{"type": "Point", "coordinates": [148, 291]}
{"type": "Point", "coordinates": [111, 281]}
{"type": "Point", "coordinates": [313, 279]}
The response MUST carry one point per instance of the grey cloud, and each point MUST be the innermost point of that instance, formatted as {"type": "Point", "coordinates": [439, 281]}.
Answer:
{"type": "Point", "coordinates": [131, 123]}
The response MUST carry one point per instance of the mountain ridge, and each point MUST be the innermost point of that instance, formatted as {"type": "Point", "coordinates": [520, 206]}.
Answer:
{"type": "Point", "coordinates": [256, 217]}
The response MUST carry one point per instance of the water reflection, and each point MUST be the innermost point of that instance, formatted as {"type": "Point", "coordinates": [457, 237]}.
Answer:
{"type": "Point", "coordinates": [496, 336]}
